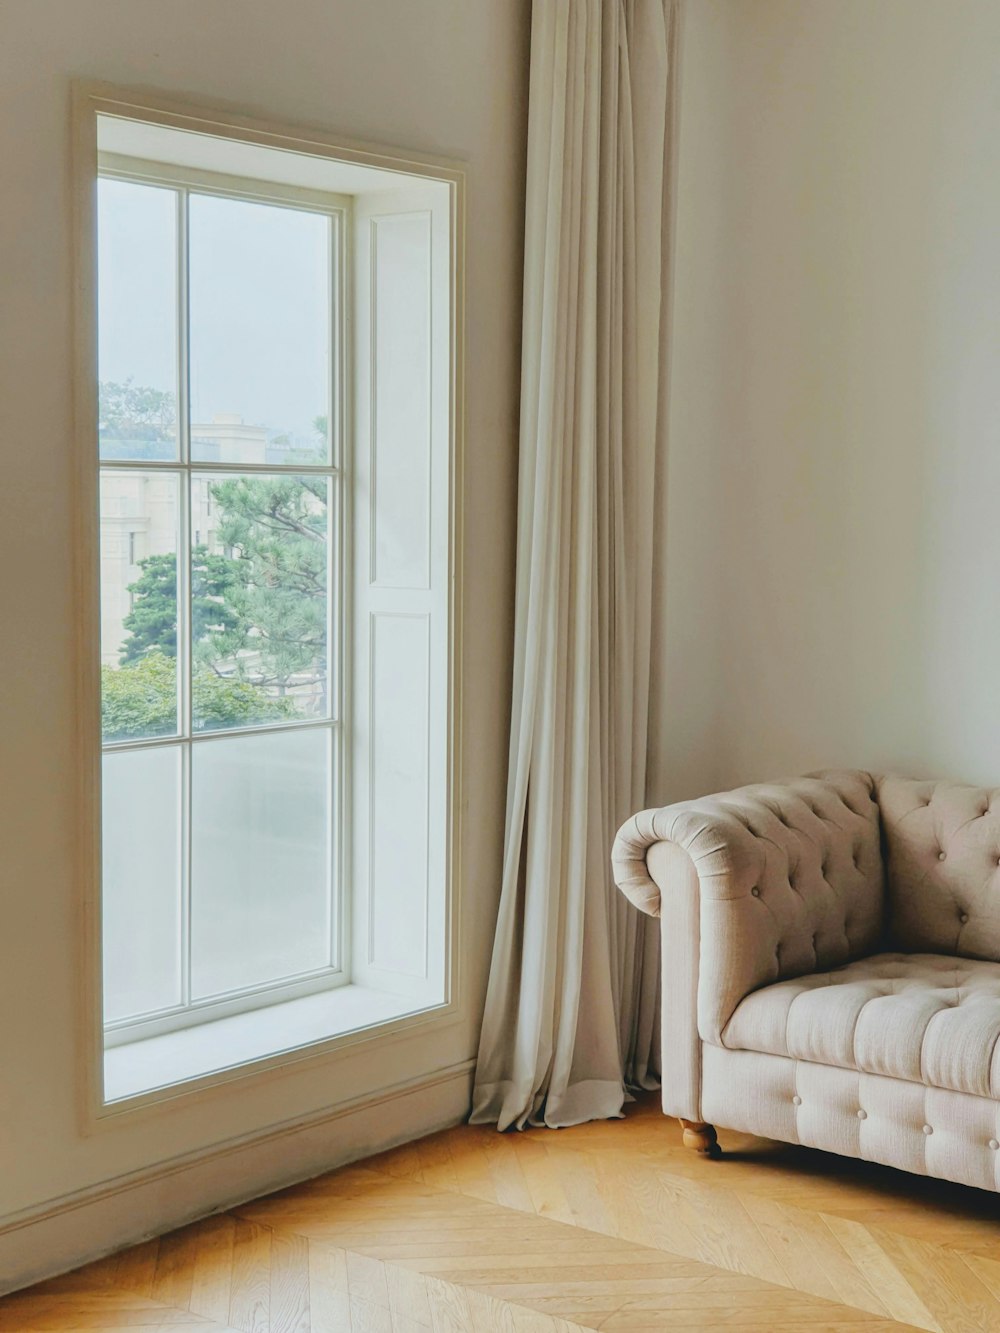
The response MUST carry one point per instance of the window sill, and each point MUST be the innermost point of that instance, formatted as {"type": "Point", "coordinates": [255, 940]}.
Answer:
{"type": "Point", "coordinates": [210, 1048]}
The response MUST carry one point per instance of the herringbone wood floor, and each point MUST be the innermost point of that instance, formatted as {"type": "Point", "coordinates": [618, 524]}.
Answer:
{"type": "Point", "coordinates": [612, 1226]}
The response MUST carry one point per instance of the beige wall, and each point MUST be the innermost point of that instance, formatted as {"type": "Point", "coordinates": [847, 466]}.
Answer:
{"type": "Point", "coordinates": [832, 548]}
{"type": "Point", "coordinates": [442, 76]}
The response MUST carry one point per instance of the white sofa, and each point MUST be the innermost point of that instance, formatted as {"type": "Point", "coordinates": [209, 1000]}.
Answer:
{"type": "Point", "coordinates": [831, 966]}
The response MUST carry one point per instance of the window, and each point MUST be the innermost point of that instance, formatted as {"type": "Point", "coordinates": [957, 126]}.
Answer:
{"type": "Point", "coordinates": [221, 717]}
{"type": "Point", "coordinates": [273, 447]}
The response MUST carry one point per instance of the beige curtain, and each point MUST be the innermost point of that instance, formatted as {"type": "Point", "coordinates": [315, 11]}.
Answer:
{"type": "Point", "coordinates": [572, 1008]}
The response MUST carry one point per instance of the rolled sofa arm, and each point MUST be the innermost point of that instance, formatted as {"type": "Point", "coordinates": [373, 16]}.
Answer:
{"type": "Point", "coordinates": [789, 877]}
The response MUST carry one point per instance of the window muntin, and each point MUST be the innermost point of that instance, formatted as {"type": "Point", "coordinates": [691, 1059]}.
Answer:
{"type": "Point", "coordinates": [223, 750]}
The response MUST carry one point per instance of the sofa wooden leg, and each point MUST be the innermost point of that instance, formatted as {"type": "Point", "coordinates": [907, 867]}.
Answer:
{"type": "Point", "coordinates": [701, 1137]}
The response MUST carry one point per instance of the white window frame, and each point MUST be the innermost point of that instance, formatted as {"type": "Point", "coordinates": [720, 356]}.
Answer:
{"type": "Point", "coordinates": [91, 100]}
{"type": "Point", "coordinates": [337, 208]}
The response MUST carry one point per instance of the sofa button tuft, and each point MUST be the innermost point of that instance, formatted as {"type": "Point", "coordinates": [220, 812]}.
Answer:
{"type": "Point", "coordinates": [862, 1114]}
{"type": "Point", "coordinates": [994, 1145]}
{"type": "Point", "coordinates": [755, 892]}
{"type": "Point", "coordinates": [796, 1100]}
{"type": "Point", "coordinates": [941, 856]}
{"type": "Point", "coordinates": [928, 1129]}
{"type": "Point", "coordinates": [963, 917]}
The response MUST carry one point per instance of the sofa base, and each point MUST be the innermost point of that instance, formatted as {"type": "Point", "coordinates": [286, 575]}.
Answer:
{"type": "Point", "coordinates": [929, 1131]}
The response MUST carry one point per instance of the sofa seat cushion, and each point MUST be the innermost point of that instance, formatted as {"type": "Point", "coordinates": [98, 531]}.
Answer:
{"type": "Point", "coordinates": [927, 1018]}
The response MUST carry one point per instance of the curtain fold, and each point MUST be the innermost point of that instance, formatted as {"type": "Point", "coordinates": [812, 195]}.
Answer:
{"type": "Point", "coordinates": [571, 1015]}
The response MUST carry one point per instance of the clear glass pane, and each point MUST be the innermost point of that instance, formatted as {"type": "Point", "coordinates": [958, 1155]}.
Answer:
{"type": "Point", "coordinates": [261, 859]}
{"type": "Point", "coordinates": [139, 514]}
{"type": "Point", "coordinates": [137, 320]}
{"type": "Point", "coordinates": [142, 883]}
{"type": "Point", "coordinates": [260, 332]}
{"type": "Point", "coordinates": [259, 592]}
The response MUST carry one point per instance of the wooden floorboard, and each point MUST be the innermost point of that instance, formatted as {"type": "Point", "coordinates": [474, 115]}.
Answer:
{"type": "Point", "coordinates": [611, 1226]}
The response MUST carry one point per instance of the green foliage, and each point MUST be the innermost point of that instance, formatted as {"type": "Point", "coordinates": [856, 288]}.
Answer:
{"type": "Point", "coordinates": [152, 622]}
{"type": "Point", "coordinates": [140, 700]}
{"type": "Point", "coordinates": [218, 701]}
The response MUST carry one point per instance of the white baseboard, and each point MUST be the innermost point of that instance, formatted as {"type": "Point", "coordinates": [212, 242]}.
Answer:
{"type": "Point", "coordinates": [76, 1228]}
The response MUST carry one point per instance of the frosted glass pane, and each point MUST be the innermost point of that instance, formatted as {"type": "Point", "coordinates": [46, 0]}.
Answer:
{"type": "Point", "coordinates": [259, 609]}
{"type": "Point", "coordinates": [260, 882]}
{"type": "Point", "coordinates": [141, 883]}
{"type": "Point", "coordinates": [139, 519]}
{"type": "Point", "coordinates": [137, 320]}
{"type": "Point", "coordinates": [260, 332]}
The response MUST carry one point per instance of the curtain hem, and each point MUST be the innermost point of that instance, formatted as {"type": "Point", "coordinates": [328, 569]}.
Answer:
{"type": "Point", "coordinates": [502, 1104]}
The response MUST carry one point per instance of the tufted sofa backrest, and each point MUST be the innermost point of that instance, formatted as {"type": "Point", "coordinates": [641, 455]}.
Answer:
{"type": "Point", "coordinates": [789, 877]}
{"type": "Point", "coordinates": [795, 885]}
{"type": "Point", "coordinates": [942, 846]}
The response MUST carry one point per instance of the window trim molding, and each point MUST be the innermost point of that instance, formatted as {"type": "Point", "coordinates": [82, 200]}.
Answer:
{"type": "Point", "coordinates": [90, 99]}
{"type": "Point", "coordinates": [146, 171]}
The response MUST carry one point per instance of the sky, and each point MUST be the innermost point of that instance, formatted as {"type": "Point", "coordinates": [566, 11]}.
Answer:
{"type": "Point", "coordinates": [259, 303]}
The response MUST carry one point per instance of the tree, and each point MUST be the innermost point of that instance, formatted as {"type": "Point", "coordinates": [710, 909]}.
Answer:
{"type": "Point", "coordinates": [140, 420]}
{"type": "Point", "coordinates": [258, 612]}
{"type": "Point", "coordinates": [219, 702]}
{"type": "Point", "coordinates": [152, 622]}
{"type": "Point", "coordinates": [276, 528]}
{"type": "Point", "coordinates": [140, 700]}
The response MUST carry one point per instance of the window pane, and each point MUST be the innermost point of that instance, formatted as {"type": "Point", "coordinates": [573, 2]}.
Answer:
{"type": "Point", "coordinates": [137, 318]}
{"type": "Point", "coordinates": [259, 599]}
{"type": "Point", "coordinates": [260, 332]}
{"type": "Point", "coordinates": [138, 604]}
{"type": "Point", "coordinates": [141, 885]}
{"type": "Point", "coordinates": [260, 904]}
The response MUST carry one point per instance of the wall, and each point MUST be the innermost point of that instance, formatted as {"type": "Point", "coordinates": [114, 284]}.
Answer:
{"type": "Point", "coordinates": [829, 566]}
{"type": "Point", "coordinates": [443, 76]}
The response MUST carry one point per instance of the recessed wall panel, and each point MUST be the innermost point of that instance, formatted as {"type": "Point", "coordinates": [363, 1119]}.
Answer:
{"type": "Point", "coordinates": [401, 400]}
{"type": "Point", "coordinates": [400, 675]}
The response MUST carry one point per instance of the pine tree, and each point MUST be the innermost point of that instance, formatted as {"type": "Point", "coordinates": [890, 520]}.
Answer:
{"type": "Point", "coordinates": [152, 622]}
